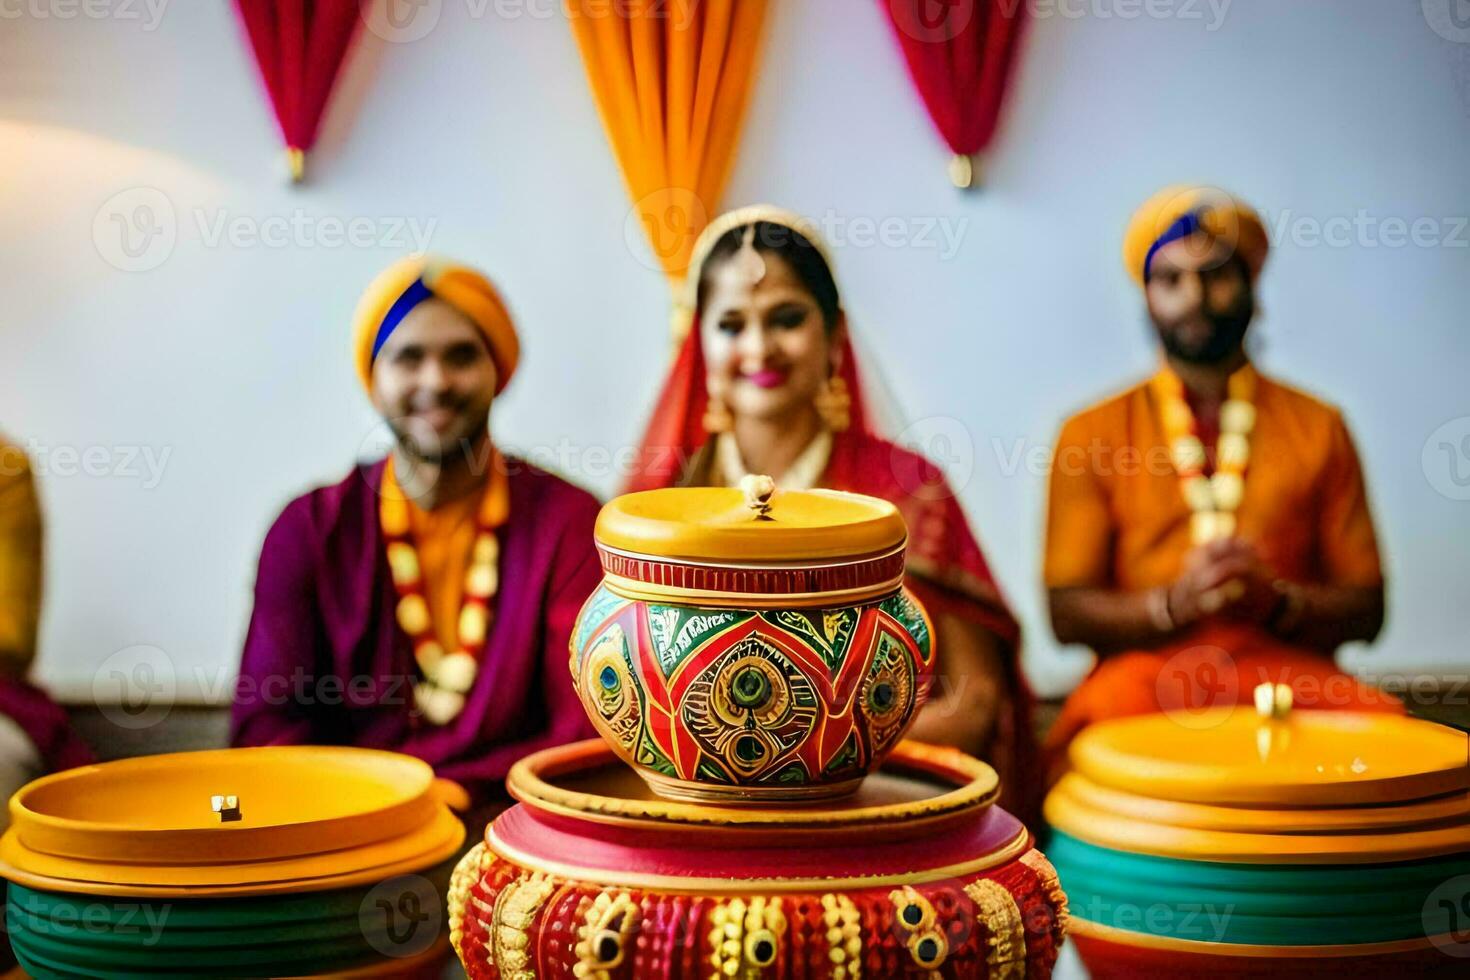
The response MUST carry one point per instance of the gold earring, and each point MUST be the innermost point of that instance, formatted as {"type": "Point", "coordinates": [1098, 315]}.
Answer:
{"type": "Point", "coordinates": [717, 417]}
{"type": "Point", "coordinates": [834, 404]}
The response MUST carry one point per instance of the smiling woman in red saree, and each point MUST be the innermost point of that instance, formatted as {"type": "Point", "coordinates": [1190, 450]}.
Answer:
{"type": "Point", "coordinates": [766, 381]}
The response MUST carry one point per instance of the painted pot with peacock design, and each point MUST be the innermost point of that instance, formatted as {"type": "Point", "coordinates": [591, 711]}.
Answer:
{"type": "Point", "coordinates": [751, 645]}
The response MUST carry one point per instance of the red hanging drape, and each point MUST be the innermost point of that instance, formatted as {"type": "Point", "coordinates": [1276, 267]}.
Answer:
{"type": "Point", "coordinates": [960, 54]}
{"type": "Point", "coordinates": [300, 46]}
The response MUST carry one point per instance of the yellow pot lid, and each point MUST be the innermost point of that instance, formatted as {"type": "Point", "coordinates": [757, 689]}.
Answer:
{"type": "Point", "coordinates": [1366, 835]}
{"type": "Point", "coordinates": [1414, 815]}
{"type": "Point", "coordinates": [232, 821]}
{"type": "Point", "coordinates": [722, 524]}
{"type": "Point", "coordinates": [1238, 757]}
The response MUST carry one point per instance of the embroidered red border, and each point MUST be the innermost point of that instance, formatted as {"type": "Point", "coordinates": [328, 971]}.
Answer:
{"type": "Point", "coordinates": [793, 580]}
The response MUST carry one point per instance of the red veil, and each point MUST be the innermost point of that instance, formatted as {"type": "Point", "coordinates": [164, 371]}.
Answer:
{"type": "Point", "coordinates": [947, 569]}
{"type": "Point", "coordinates": [676, 432]}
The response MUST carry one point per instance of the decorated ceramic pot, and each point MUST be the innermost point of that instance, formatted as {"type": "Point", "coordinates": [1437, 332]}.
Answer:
{"type": "Point", "coordinates": [917, 874]}
{"type": "Point", "coordinates": [751, 646]}
{"type": "Point", "coordinates": [1267, 843]}
{"type": "Point", "coordinates": [280, 862]}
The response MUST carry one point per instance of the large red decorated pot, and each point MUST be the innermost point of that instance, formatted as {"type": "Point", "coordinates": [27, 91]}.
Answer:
{"type": "Point", "coordinates": [917, 874]}
{"type": "Point", "coordinates": [750, 646]}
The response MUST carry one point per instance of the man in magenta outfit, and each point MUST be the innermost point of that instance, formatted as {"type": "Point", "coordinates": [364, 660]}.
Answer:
{"type": "Point", "coordinates": [425, 603]}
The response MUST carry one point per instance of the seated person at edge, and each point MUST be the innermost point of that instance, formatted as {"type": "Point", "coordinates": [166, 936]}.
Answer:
{"type": "Point", "coordinates": [36, 736]}
{"type": "Point", "coordinates": [424, 603]}
{"type": "Point", "coordinates": [766, 382]}
{"type": "Point", "coordinates": [1208, 529]}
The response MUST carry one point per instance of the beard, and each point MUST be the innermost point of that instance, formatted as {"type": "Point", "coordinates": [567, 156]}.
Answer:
{"type": "Point", "coordinates": [1219, 337]}
{"type": "Point", "coordinates": [419, 444]}
{"type": "Point", "coordinates": [424, 443]}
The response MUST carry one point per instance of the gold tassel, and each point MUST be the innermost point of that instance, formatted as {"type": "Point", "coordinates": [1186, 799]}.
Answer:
{"type": "Point", "coordinates": [296, 162]}
{"type": "Point", "coordinates": [962, 171]}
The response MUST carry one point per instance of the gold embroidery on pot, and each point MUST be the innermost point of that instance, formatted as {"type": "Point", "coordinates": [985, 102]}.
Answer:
{"type": "Point", "coordinates": [844, 937]}
{"type": "Point", "coordinates": [997, 909]}
{"type": "Point", "coordinates": [1050, 886]}
{"type": "Point", "coordinates": [605, 938]}
{"type": "Point", "coordinates": [464, 877]}
{"type": "Point", "coordinates": [745, 937]}
{"type": "Point", "coordinates": [515, 910]}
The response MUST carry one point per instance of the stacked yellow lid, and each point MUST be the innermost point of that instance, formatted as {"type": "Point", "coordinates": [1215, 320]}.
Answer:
{"type": "Point", "coordinates": [1309, 833]}
{"type": "Point", "coordinates": [282, 861]}
{"type": "Point", "coordinates": [230, 822]}
{"type": "Point", "coordinates": [1308, 787]}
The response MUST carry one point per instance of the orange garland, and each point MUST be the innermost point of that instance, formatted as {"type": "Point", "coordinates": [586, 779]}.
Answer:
{"type": "Point", "coordinates": [1214, 499]}
{"type": "Point", "coordinates": [448, 677]}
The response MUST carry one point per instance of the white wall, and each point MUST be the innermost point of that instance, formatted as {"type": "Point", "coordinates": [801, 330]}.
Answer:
{"type": "Point", "coordinates": [231, 358]}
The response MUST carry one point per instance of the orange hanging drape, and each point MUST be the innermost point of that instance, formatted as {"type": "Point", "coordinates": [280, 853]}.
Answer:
{"type": "Point", "coordinates": [671, 79]}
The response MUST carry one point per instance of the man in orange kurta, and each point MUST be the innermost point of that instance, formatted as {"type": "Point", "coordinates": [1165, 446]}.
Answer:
{"type": "Point", "coordinates": [1191, 603]}
{"type": "Point", "coordinates": [35, 735]}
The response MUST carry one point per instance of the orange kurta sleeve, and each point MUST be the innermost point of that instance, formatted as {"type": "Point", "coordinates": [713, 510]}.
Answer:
{"type": "Point", "coordinates": [1347, 541]}
{"type": "Point", "coordinates": [20, 560]}
{"type": "Point", "coordinates": [1079, 521]}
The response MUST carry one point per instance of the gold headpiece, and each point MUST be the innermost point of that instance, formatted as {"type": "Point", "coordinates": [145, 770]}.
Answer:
{"type": "Point", "coordinates": [739, 218]}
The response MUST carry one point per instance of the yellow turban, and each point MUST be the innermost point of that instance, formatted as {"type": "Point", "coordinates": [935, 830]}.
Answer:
{"type": "Point", "coordinates": [1178, 211]}
{"type": "Point", "coordinates": [408, 282]}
